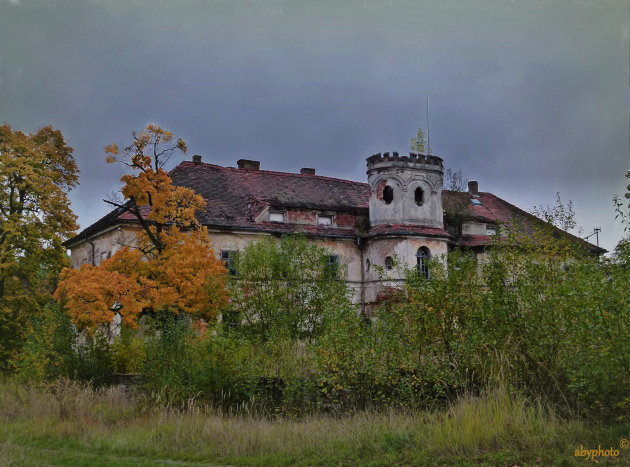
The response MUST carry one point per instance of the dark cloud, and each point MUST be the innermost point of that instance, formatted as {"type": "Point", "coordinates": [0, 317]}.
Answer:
{"type": "Point", "coordinates": [529, 98]}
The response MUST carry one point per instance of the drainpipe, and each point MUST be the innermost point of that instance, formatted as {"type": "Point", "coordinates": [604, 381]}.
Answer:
{"type": "Point", "coordinates": [362, 292]}
{"type": "Point", "coordinates": [93, 250]}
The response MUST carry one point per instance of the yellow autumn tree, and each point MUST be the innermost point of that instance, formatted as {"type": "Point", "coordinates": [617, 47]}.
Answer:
{"type": "Point", "coordinates": [170, 265]}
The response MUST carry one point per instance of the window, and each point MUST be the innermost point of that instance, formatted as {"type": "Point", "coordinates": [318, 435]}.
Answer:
{"type": "Point", "coordinates": [475, 202]}
{"type": "Point", "coordinates": [388, 194]}
{"type": "Point", "coordinates": [419, 196]}
{"type": "Point", "coordinates": [367, 264]}
{"type": "Point", "coordinates": [389, 263]}
{"type": "Point", "coordinates": [491, 230]}
{"type": "Point", "coordinates": [103, 256]}
{"type": "Point", "coordinates": [325, 220]}
{"type": "Point", "coordinates": [229, 259]}
{"type": "Point", "coordinates": [276, 216]}
{"type": "Point", "coordinates": [332, 266]}
{"type": "Point", "coordinates": [422, 256]}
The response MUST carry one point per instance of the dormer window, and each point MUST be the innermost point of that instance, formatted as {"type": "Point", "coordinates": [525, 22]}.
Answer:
{"type": "Point", "coordinates": [324, 220]}
{"type": "Point", "coordinates": [276, 216]}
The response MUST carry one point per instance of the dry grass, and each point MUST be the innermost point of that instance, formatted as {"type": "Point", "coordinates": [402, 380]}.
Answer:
{"type": "Point", "coordinates": [118, 427]}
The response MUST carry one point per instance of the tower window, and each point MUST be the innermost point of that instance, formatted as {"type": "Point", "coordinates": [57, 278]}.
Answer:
{"type": "Point", "coordinates": [388, 194]}
{"type": "Point", "coordinates": [389, 263]}
{"type": "Point", "coordinates": [419, 196]}
{"type": "Point", "coordinates": [422, 256]}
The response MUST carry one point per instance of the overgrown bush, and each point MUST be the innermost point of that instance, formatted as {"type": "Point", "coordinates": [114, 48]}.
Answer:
{"type": "Point", "coordinates": [54, 349]}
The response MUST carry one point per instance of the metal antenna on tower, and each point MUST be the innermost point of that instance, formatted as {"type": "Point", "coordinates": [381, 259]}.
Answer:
{"type": "Point", "coordinates": [596, 232]}
{"type": "Point", "coordinates": [428, 129]}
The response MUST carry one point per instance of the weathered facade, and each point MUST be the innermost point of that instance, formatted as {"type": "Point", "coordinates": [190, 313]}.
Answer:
{"type": "Point", "coordinates": [398, 216]}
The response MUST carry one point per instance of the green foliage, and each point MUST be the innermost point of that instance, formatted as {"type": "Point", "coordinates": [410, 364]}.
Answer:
{"type": "Point", "coordinates": [36, 172]}
{"type": "Point", "coordinates": [54, 349]}
{"type": "Point", "coordinates": [419, 143]}
{"type": "Point", "coordinates": [128, 351]}
{"type": "Point", "coordinates": [286, 289]}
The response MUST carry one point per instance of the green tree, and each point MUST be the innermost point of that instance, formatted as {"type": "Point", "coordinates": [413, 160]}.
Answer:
{"type": "Point", "coordinates": [287, 288]}
{"type": "Point", "coordinates": [37, 171]}
{"type": "Point", "coordinates": [419, 143]}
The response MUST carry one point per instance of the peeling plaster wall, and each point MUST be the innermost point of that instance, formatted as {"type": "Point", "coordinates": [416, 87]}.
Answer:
{"type": "Point", "coordinates": [106, 243]}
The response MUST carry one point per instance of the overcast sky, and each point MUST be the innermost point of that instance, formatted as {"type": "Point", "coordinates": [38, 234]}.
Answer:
{"type": "Point", "coordinates": [527, 97]}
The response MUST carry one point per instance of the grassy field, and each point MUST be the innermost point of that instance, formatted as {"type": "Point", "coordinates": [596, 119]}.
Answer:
{"type": "Point", "coordinates": [71, 424]}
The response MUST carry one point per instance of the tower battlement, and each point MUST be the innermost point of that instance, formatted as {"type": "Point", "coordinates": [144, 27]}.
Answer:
{"type": "Point", "coordinates": [395, 160]}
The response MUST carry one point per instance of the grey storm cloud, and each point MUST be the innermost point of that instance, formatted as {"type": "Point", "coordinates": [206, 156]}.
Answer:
{"type": "Point", "coordinates": [529, 98]}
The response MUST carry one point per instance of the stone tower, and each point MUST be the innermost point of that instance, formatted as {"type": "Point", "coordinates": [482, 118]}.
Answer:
{"type": "Point", "coordinates": [405, 189]}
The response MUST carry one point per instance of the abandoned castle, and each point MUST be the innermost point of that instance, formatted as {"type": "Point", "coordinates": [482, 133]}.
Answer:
{"type": "Point", "coordinates": [399, 213]}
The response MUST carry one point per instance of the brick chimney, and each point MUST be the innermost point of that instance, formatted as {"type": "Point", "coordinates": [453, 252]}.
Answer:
{"type": "Point", "coordinates": [473, 187]}
{"type": "Point", "coordinates": [246, 164]}
{"type": "Point", "coordinates": [197, 159]}
{"type": "Point", "coordinates": [307, 171]}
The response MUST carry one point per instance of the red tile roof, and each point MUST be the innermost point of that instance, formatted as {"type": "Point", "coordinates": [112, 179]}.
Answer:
{"type": "Point", "coordinates": [406, 229]}
{"type": "Point", "coordinates": [236, 197]}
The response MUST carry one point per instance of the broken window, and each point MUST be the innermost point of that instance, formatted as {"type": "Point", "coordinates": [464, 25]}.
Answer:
{"type": "Point", "coordinates": [422, 256]}
{"type": "Point", "coordinates": [389, 263]}
{"type": "Point", "coordinates": [419, 196]}
{"type": "Point", "coordinates": [229, 260]}
{"type": "Point", "coordinates": [276, 216]}
{"type": "Point", "coordinates": [325, 220]}
{"type": "Point", "coordinates": [388, 194]}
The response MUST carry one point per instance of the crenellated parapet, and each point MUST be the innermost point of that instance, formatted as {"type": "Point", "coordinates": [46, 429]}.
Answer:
{"type": "Point", "coordinates": [412, 161]}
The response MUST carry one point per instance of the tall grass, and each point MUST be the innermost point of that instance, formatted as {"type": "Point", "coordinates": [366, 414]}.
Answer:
{"type": "Point", "coordinates": [72, 417]}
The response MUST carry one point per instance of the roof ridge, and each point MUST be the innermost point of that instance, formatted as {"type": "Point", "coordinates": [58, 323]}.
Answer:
{"type": "Point", "coordinates": [275, 172]}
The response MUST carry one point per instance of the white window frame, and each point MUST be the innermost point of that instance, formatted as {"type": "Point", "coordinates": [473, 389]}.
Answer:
{"type": "Point", "coordinates": [277, 213]}
{"type": "Point", "coordinates": [320, 217]}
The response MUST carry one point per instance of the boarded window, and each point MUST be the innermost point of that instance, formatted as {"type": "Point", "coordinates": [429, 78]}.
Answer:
{"type": "Point", "coordinates": [388, 194]}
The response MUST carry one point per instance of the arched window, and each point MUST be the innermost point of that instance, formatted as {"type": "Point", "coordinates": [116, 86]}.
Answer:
{"type": "Point", "coordinates": [419, 196]}
{"type": "Point", "coordinates": [423, 255]}
{"type": "Point", "coordinates": [388, 194]}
